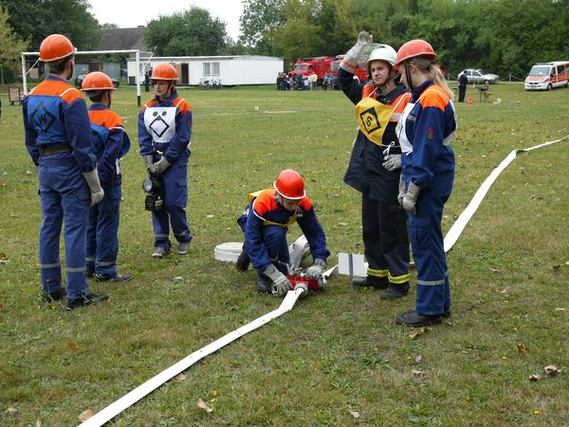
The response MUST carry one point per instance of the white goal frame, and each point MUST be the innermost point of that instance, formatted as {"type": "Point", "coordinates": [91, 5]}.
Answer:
{"type": "Point", "coordinates": [86, 52]}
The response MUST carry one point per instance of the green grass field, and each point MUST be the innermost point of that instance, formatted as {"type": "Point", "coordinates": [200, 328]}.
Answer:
{"type": "Point", "coordinates": [334, 354]}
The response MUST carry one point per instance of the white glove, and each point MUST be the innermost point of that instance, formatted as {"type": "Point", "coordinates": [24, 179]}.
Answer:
{"type": "Point", "coordinates": [410, 197]}
{"type": "Point", "coordinates": [97, 192]}
{"type": "Point", "coordinates": [281, 284]}
{"type": "Point", "coordinates": [316, 270]}
{"type": "Point", "coordinates": [161, 165]}
{"type": "Point", "coordinates": [401, 194]}
{"type": "Point", "coordinates": [392, 162]}
{"type": "Point", "coordinates": [350, 60]}
{"type": "Point", "coordinates": [149, 162]}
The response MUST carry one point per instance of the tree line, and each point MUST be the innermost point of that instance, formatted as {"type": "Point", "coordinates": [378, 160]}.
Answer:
{"type": "Point", "coordinates": [503, 36]}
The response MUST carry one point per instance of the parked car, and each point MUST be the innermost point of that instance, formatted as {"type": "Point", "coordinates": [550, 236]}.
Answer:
{"type": "Point", "coordinates": [479, 76]}
{"type": "Point", "coordinates": [80, 77]}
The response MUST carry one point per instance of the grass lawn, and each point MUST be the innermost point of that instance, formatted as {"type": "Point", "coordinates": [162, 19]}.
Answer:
{"type": "Point", "coordinates": [334, 354]}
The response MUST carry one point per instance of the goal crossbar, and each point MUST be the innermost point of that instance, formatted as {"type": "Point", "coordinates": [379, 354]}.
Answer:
{"type": "Point", "coordinates": [87, 52]}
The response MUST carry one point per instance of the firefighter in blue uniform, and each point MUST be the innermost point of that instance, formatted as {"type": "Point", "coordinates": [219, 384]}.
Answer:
{"type": "Point", "coordinates": [425, 131]}
{"type": "Point", "coordinates": [267, 221]}
{"type": "Point", "coordinates": [164, 134]}
{"type": "Point", "coordinates": [58, 139]}
{"type": "Point", "coordinates": [375, 166]}
{"type": "Point", "coordinates": [111, 144]}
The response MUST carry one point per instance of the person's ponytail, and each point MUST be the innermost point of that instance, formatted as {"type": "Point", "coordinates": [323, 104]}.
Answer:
{"type": "Point", "coordinates": [433, 71]}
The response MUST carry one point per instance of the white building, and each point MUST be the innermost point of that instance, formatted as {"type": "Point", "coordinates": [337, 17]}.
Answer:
{"type": "Point", "coordinates": [225, 70]}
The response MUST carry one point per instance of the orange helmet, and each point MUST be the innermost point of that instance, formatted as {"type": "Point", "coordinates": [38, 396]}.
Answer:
{"type": "Point", "coordinates": [414, 48]}
{"type": "Point", "coordinates": [164, 72]}
{"type": "Point", "coordinates": [96, 81]}
{"type": "Point", "coordinates": [56, 46]}
{"type": "Point", "coordinates": [290, 185]}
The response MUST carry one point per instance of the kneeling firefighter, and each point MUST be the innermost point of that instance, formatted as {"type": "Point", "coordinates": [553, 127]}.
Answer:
{"type": "Point", "coordinates": [375, 165]}
{"type": "Point", "coordinates": [266, 223]}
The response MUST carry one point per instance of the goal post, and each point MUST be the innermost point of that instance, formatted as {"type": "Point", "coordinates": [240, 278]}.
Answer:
{"type": "Point", "coordinates": [136, 53]}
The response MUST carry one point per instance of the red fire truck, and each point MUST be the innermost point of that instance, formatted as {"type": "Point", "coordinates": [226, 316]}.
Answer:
{"type": "Point", "coordinates": [319, 65]}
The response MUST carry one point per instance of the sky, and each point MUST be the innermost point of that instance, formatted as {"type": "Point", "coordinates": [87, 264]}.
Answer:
{"type": "Point", "coordinates": [132, 13]}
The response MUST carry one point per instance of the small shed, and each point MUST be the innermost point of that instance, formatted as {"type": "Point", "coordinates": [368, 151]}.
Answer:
{"type": "Point", "coordinates": [221, 70]}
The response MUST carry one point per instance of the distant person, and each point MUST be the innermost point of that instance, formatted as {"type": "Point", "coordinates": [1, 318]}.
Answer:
{"type": "Point", "coordinates": [462, 83]}
{"type": "Point", "coordinates": [425, 131]}
{"type": "Point", "coordinates": [266, 223]}
{"type": "Point", "coordinates": [313, 80]}
{"type": "Point", "coordinates": [375, 165]}
{"type": "Point", "coordinates": [164, 134]}
{"type": "Point", "coordinates": [147, 80]}
{"type": "Point", "coordinates": [111, 143]}
{"type": "Point", "coordinates": [58, 138]}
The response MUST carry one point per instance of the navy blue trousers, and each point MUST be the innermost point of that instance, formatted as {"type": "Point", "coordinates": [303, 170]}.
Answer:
{"type": "Point", "coordinates": [174, 181]}
{"type": "Point", "coordinates": [102, 234]}
{"type": "Point", "coordinates": [433, 287]}
{"type": "Point", "coordinates": [65, 199]}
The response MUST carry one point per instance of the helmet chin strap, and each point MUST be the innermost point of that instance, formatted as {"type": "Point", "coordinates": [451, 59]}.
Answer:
{"type": "Point", "coordinates": [72, 70]}
{"type": "Point", "coordinates": [408, 76]}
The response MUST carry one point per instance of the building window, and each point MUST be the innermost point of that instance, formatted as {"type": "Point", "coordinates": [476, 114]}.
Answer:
{"type": "Point", "coordinates": [210, 69]}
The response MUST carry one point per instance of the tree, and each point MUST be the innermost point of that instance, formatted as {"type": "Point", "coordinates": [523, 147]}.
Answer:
{"type": "Point", "coordinates": [37, 19]}
{"type": "Point", "coordinates": [10, 46]}
{"type": "Point", "coordinates": [261, 21]}
{"type": "Point", "coordinates": [190, 33]}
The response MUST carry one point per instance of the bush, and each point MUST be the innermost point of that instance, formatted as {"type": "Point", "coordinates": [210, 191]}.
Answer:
{"type": "Point", "coordinates": [9, 74]}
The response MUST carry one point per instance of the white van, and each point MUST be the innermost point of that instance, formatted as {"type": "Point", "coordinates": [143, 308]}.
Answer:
{"type": "Point", "coordinates": [547, 75]}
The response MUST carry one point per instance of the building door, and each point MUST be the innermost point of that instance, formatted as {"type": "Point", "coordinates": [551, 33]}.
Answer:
{"type": "Point", "coordinates": [185, 74]}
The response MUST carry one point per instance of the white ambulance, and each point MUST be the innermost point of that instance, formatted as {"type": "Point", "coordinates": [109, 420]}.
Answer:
{"type": "Point", "coordinates": [547, 75]}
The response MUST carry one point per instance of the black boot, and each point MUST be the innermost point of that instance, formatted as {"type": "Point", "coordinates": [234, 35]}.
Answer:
{"type": "Point", "coordinates": [395, 291]}
{"type": "Point", "coordinates": [88, 299]}
{"type": "Point", "coordinates": [412, 318]}
{"type": "Point", "coordinates": [263, 284]}
{"type": "Point", "coordinates": [50, 297]}
{"type": "Point", "coordinates": [370, 282]}
{"type": "Point", "coordinates": [117, 278]}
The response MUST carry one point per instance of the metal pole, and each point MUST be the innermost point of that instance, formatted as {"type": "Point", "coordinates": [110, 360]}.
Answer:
{"type": "Point", "coordinates": [24, 80]}
{"type": "Point", "coordinates": [351, 271]}
{"type": "Point", "coordinates": [137, 77]}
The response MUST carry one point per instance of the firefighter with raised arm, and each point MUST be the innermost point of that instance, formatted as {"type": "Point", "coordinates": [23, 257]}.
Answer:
{"type": "Point", "coordinates": [375, 165]}
{"type": "Point", "coordinates": [267, 220]}
{"type": "Point", "coordinates": [164, 134]}
{"type": "Point", "coordinates": [111, 144]}
{"type": "Point", "coordinates": [58, 138]}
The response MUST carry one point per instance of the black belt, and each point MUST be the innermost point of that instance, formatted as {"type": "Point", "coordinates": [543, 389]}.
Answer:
{"type": "Point", "coordinates": [48, 150]}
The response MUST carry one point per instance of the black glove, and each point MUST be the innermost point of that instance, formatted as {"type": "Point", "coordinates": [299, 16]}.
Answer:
{"type": "Point", "coordinates": [243, 261]}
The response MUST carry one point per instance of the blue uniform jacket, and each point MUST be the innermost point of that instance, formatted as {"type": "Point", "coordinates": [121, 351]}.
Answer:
{"type": "Point", "coordinates": [175, 146]}
{"type": "Point", "coordinates": [110, 142]}
{"type": "Point", "coordinates": [429, 128]}
{"type": "Point", "coordinates": [55, 113]}
{"type": "Point", "coordinates": [265, 210]}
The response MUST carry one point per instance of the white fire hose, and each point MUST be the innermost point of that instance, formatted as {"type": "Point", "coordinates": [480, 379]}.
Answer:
{"type": "Point", "coordinates": [153, 383]}
{"type": "Point", "coordinates": [288, 303]}
{"type": "Point", "coordinates": [458, 227]}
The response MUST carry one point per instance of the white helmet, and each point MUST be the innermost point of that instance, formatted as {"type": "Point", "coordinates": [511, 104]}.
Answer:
{"type": "Point", "coordinates": [382, 52]}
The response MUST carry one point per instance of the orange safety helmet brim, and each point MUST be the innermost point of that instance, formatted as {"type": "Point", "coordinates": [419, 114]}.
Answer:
{"type": "Point", "coordinates": [164, 72]}
{"type": "Point", "coordinates": [96, 81]}
{"type": "Point", "coordinates": [56, 46]}
{"type": "Point", "coordinates": [290, 185]}
{"type": "Point", "coordinates": [414, 48]}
